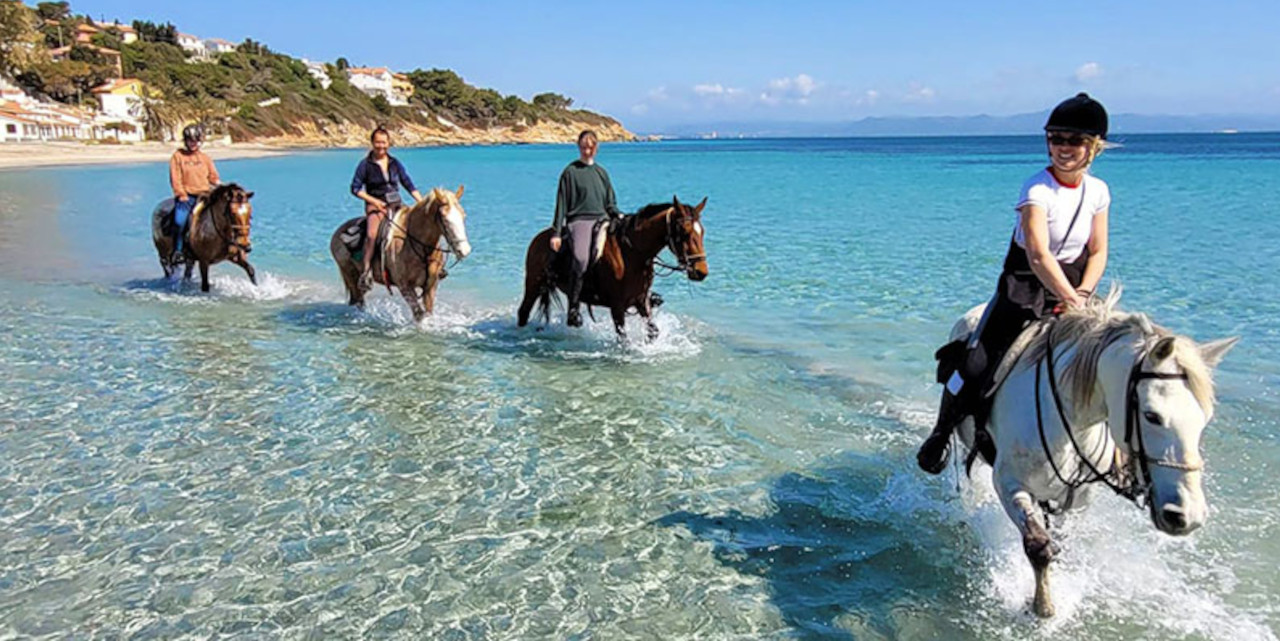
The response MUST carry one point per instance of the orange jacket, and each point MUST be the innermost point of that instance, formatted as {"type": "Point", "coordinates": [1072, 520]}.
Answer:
{"type": "Point", "coordinates": [191, 173]}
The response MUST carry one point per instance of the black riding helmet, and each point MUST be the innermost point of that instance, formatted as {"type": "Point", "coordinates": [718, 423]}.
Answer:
{"type": "Point", "coordinates": [1079, 114]}
{"type": "Point", "coordinates": [192, 132]}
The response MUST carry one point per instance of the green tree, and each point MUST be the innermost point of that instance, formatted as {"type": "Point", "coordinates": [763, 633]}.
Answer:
{"type": "Point", "coordinates": [20, 40]}
{"type": "Point", "coordinates": [54, 10]}
{"type": "Point", "coordinates": [342, 64]}
{"type": "Point", "coordinates": [552, 101]}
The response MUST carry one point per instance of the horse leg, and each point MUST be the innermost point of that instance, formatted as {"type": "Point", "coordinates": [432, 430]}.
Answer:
{"type": "Point", "coordinates": [204, 276]}
{"type": "Point", "coordinates": [429, 295]}
{"type": "Point", "coordinates": [415, 304]}
{"type": "Point", "coordinates": [646, 312]}
{"type": "Point", "coordinates": [186, 272]}
{"type": "Point", "coordinates": [1036, 544]}
{"type": "Point", "coordinates": [619, 321]}
{"type": "Point", "coordinates": [248, 269]}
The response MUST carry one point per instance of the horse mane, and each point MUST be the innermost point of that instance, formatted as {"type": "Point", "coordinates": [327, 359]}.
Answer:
{"type": "Point", "coordinates": [221, 191]}
{"type": "Point", "coordinates": [1099, 324]}
{"type": "Point", "coordinates": [653, 209]}
{"type": "Point", "coordinates": [438, 195]}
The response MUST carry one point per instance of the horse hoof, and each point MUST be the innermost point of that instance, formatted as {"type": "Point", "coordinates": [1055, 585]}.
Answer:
{"type": "Point", "coordinates": [1044, 610]}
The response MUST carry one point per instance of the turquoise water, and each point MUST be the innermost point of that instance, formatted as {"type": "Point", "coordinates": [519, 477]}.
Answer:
{"type": "Point", "coordinates": [267, 462]}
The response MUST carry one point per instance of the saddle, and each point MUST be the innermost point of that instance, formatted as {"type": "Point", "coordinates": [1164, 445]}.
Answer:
{"type": "Point", "coordinates": [168, 225]}
{"type": "Point", "coordinates": [952, 358]}
{"type": "Point", "coordinates": [563, 259]}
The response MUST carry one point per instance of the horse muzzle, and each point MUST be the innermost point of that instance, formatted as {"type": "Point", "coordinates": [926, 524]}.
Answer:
{"type": "Point", "coordinates": [462, 249]}
{"type": "Point", "coordinates": [697, 271]}
{"type": "Point", "coordinates": [1173, 520]}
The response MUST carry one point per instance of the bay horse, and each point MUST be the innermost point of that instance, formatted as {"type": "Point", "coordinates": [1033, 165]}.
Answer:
{"type": "Point", "coordinates": [406, 255]}
{"type": "Point", "coordinates": [620, 278]}
{"type": "Point", "coordinates": [219, 231]}
{"type": "Point", "coordinates": [1098, 396]}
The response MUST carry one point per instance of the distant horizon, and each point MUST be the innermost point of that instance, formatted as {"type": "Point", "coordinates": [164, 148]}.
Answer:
{"type": "Point", "coordinates": [665, 65]}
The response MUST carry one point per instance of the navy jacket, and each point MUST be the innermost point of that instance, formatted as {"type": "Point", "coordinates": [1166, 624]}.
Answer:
{"type": "Point", "coordinates": [369, 178]}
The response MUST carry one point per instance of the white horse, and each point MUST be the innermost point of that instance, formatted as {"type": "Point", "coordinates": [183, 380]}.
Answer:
{"type": "Point", "coordinates": [1099, 396]}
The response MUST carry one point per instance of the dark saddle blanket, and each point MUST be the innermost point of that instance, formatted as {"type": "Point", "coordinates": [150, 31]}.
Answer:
{"type": "Point", "coordinates": [352, 236]}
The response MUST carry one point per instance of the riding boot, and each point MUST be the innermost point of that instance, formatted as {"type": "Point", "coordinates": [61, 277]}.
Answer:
{"type": "Point", "coordinates": [935, 451]}
{"type": "Point", "coordinates": [575, 300]}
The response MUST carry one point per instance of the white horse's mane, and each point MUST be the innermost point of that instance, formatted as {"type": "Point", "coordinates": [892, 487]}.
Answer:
{"type": "Point", "coordinates": [1097, 325]}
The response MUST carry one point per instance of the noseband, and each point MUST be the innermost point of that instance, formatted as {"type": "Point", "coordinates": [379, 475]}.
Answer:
{"type": "Point", "coordinates": [674, 243]}
{"type": "Point", "coordinates": [1118, 478]}
{"type": "Point", "coordinates": [237, 227]}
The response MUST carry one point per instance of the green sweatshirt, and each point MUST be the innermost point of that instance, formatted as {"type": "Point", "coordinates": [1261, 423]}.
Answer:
{"type": "Point", "coordinates": [585, 192]}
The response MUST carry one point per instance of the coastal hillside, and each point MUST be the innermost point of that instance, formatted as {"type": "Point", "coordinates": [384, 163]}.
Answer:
{"type": "Point", "coordinates": [250, 93]}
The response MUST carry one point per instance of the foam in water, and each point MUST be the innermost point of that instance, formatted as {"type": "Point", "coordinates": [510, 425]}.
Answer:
{"type": "Point", "coordinates": [1112, 560]}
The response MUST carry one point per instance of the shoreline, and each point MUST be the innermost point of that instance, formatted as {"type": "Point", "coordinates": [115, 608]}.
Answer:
{"type": "Point", "coordinates": [34, 155]}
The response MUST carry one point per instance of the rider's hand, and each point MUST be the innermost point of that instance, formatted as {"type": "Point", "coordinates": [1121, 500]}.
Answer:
{"type": "Point", "coordinates": [381, 206]}
{"type": "Point", "coordinates": [555, 243]}
{"type": "Point", "coordinates": [182, 199]}
{"type": "Point", "coordinates": [1074, 301]}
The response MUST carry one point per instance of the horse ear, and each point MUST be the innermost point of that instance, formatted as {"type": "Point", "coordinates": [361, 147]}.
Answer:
{"type": "Point", "coordinates": [458, 194]}
{"type": "Point", "coordinates": [1163, 349]}
{"type": "Point", "coordinates": [248, 195]}
{"type": "Point", "coordinates": [675, 201]}
{"type": "Point", "coordinates": [1213, 351]}
{"type": "Point", "coordinates": [698, 210]}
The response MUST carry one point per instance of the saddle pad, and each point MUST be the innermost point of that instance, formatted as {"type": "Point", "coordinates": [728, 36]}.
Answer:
{"type": "Point", "coordinates": [353, 235]}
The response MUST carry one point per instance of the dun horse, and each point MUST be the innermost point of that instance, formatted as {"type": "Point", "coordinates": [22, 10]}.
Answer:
{"type": "Point", "coordinates": [620, 277]}
{"type": "Point", "coordinates": [218, 232]}
{"type": "Point", "coordinates": [1099, 396]}
{"type": "Point", "coordinates": [406, 255]}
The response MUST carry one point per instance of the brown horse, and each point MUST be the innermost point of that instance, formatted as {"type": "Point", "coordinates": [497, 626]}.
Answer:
{"type": "Point", "coordinates": [406, 255]}
{"type": "Point", "coordinates": [219, 231]}
{"type": "Point", "coordinates": [622, 275]}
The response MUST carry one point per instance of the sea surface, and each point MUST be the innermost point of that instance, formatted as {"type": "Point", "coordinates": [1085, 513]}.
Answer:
{"type": "Point", "coordinates": [265, 462]}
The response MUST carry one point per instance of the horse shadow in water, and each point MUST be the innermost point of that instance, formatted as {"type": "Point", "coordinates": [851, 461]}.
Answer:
{"type": "Point", "coordinates": [838, 552]}
{"type": "Point", "coordinates": [330, 316]}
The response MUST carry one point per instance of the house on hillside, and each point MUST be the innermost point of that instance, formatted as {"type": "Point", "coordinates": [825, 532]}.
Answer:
{"type": "Point", "coordinates": [379, 81]}
{"type": "Point", "coordinates": [401, 89]}
{"type": "Point", "coordinates": [193, 45]}
{"type": "Point", "coordinates": [85, 33]}
{"type": "Point", "coordinates": [128, 35]}
{"type": "Point", "coordinates": [317, 71]}
{"type": "Point", "coordinates": [45, 121]}
{"type": "Point", "coordinates": [62, 53]}
{"type": "Point", "coordinates": [122, 115]}
{"type": "Point", "coordinates": [218, 45]}
{"type": "Point", "coordinates": [16, 127]}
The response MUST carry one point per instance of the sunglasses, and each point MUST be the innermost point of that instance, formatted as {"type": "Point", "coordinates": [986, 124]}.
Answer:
{"type": "Point", "coordinates": [1070, 141]}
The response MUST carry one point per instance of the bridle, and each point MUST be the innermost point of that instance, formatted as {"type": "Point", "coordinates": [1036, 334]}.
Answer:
{"type": "Point", "coordinates": [238, 228]}
{"type": "Point", "coordinates": [419, 247]}
{"type": "Point", "coordinates": [1122, 481]}
{"type": "Point", "coordinates": [675, 243]}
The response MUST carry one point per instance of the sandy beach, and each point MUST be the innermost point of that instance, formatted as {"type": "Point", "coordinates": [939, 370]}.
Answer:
{"type": "Point", "coordinates": [48, 154]}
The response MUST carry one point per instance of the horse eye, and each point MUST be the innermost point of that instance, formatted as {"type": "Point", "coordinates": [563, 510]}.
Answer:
{"type": "Point", "coordinates": [1152, 418]}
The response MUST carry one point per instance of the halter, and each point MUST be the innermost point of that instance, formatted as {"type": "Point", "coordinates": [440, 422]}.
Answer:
{"type": "Point", "coordinates": [1117, 478]}
{"type": "Point", "coordinates": [236, 227]}
{"type": "Point", "coordinates": [683, 260]}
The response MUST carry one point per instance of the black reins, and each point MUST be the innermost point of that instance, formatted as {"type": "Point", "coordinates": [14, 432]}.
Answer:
{"type": "Point", "coordinates": [1117, 478]}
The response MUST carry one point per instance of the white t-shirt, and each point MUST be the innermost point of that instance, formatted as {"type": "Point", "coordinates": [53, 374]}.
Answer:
{"type": "Point", "coordinates": [1060, 203]}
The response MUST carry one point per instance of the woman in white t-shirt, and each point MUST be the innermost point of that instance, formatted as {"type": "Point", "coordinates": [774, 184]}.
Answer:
{"type": "Point", "coordinates": [1055, 260]}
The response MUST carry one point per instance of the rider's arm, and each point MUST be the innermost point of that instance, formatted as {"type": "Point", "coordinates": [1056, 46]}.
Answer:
{"type": "Point", "coordinates": [406, 180]}
{"type": "Point", "coordinates": [562, 203]}
{"type": "Point", "coordinates": [357, 188]}
{"type": "Point", "coordinates": [610, 198]}
{"type": "Point", "coordinates": [214, 179]}
{"type": "Point", "coordinates": [1035, 231]}
{"type": "Point", "coordinates": [1097, 253]}
{"type": "Point", "coordinates": [175, 178]}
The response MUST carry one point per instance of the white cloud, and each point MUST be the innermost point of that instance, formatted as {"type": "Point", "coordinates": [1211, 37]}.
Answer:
{"type": "Point", "coordinates": [795, 90]}
{"type": "Point", "coordinates": [716, 89]}
{"type": "Point", "coordinates": [1088, 71]}
{"type": "Point", "coordinates": [640, 109]}
{"type": "Point", "coordinates": [919, 93]}
{"type": "Point", "coordinates": [658, 95]}
{"type": "Point", "coordinates": [868, 98]}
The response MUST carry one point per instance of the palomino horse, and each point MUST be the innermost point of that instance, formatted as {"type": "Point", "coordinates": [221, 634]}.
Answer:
{"type": "Point", "coordinates": [1099, 396]}
{"type": "Point", "coordinates": [622, 275]}
{"type": "Point", "coordinates": [406, 255]}
{"type": "Point", "coordinates": [218, 232]}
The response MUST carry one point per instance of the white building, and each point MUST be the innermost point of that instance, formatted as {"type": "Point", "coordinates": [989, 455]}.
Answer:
{"type": "Point", "coordinates": [193, 45]}
{"type": "Point", "coordinates": [122, 115]}
{"type": "Point", "coordinates": [218, 45]}
{"type": "Point", "coordinates": [379, 81]}
{"type": "Point", "coordinates": [317, 71]}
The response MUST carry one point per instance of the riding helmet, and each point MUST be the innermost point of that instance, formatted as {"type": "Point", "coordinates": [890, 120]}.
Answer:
{"type": "Point", "coordinates": [1079, 114]}
{"type": "Point", "coordinates": [192, 133]}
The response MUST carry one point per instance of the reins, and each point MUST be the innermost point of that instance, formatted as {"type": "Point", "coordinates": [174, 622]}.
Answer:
{"type": "Point", "coordinates": [1136, 488]}
{"type": "Point", "coordinates": [419, 247]}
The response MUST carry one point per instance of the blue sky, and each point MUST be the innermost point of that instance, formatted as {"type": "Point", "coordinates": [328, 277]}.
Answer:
{"type": "Point", "coordinates": [659, 63]}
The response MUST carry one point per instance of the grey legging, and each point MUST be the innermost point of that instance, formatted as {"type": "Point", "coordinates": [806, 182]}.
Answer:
{"type": "Point", "coordinates": [579, 238]}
